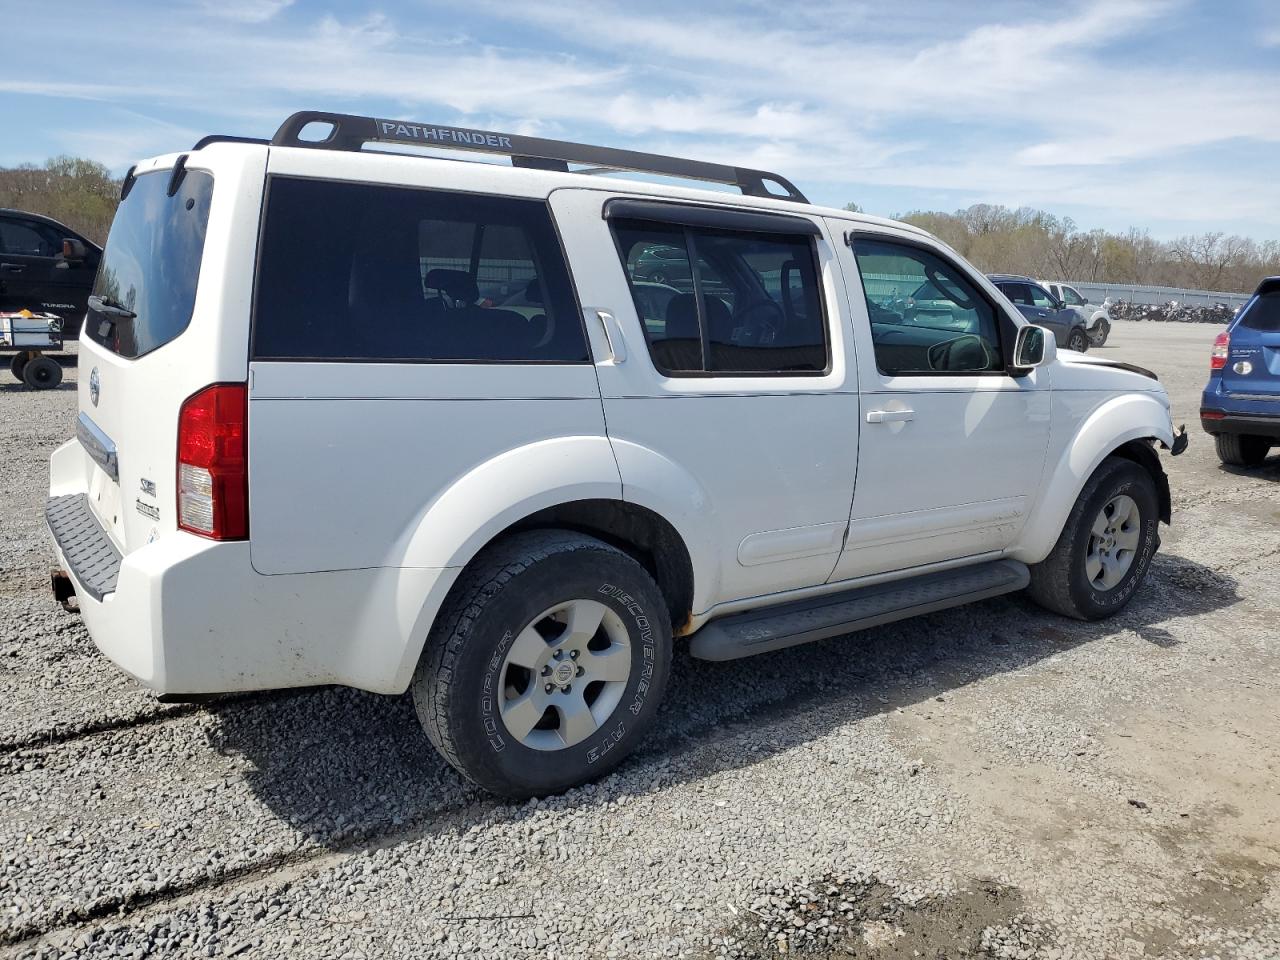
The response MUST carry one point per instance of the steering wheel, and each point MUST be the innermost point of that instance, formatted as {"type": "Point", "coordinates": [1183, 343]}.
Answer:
{"type": "Point", "coordinates": [966, 352]}
{"type": "Point", "coordinates": [762, 320]}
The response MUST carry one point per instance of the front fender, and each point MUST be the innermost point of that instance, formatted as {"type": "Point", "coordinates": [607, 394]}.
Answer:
{"type": "Point", "coordinates": [1115, 422]}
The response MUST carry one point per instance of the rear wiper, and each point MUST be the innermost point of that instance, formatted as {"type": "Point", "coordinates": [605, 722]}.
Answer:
{"type": "Point", "coordinates": [110, 308]}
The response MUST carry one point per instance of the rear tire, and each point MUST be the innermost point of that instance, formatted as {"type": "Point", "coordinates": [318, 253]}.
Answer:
{"type": "Point", "coordinates": [1105, 547]}
{"type": "Point", "coordinates": [42, 373]}
{"type": "Point", "coordinates": [489, 689]}
{"type": "Point", "coordinates": [1241, 450]}
{"type": "Point", "coordinates": [18, 363]}
{"type": "Point", "coordinates": [1078, 340]}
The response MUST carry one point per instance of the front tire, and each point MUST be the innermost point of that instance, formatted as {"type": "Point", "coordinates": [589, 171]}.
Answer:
{"type": "Point", "coordinates": [1241, 450]}
{"type": "Point", "coordinates": [1100, 337]}
{"type": "Point", "coordinates": [1078, 340]}
{"type": "Point", "coordinates": [1106, 545]}
{"type": "Point", "coordinates": [546, 665]}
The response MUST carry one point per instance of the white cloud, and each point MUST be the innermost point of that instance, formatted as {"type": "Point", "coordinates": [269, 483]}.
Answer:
{"type": "Point", "coordinates": [244, 11]}
{"type": "Point", "coordinates": [1008, 101]}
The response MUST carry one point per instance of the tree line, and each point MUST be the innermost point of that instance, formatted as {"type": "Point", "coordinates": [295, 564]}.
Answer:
{"type": "Point", "coordinates": [1035, 243]}
{"type": "Point", "coordinates": [82, 194]}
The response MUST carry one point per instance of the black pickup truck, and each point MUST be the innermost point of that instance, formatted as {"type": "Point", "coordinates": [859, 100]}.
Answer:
{"type": "Point", "coordinates": [45, 267]}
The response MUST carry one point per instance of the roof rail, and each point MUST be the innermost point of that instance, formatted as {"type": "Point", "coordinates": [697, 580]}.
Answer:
{"type": "Point", "coordinates": [347, 132]}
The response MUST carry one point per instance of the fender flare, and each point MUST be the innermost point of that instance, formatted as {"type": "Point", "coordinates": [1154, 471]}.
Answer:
{"type": "Point", "coordinates": [656, 482]}
{"type": "Point", "coordinates": [1115, 423]}
{"type": "Point", "coordinates": [494, 494]}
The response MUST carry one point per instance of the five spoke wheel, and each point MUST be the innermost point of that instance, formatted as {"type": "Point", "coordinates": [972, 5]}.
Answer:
{"type": "Point", "coordinates": [564, 675]}
{"type": "Point", "coordinates": [1113, 542]}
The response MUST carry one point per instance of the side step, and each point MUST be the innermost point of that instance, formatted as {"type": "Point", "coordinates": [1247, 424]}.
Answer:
{"type": "Point", "coordinates": [803, 621]}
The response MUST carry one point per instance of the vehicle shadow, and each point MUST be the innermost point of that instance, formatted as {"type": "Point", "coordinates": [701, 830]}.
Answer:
{"type": "Point", "coordinates": [349, 769]}
{"type": "Point", "coordinates": [15, 387]}
{"type": "Point", "coordinates": [1269, 469]}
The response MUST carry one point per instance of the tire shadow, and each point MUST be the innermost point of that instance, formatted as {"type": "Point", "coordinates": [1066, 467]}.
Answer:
{"type": "Point", "coordinates": [352, 770]}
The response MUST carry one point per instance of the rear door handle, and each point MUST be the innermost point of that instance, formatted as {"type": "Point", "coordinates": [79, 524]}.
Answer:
{"type": "Point", "coordinates": [890, 416]}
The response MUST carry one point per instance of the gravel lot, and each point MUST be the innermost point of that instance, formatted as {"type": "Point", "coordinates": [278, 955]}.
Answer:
{"type": "Point", "coordinates": [991, 781]}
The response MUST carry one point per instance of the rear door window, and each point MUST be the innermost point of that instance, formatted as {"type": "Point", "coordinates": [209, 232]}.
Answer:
{"type": "Point", "coordinates": [151, 265]}
{"type": "Point", "coordinates": [351, 271]}
{"type": "Point", "coordinates": [715, 301]}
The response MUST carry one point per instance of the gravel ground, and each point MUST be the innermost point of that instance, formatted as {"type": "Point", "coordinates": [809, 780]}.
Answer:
{"type": "Point", "coordinates": [988, 782]}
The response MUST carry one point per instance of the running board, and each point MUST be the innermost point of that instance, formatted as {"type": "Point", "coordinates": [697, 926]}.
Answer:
{"type": "Point", "coordinates": [803, 621]}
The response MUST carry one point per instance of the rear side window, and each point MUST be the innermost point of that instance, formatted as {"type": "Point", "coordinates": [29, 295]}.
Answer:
{"type": "Point", "coordinates": [352, 271]}
{"type": "Point", "coordinates": [151, 264]}
{"type": "Point", "coordinates": [718, 301]}
{"type": "Point", "coordinates": [1262, 312]}
{"type": "Point", "coordinates": [926, 317]}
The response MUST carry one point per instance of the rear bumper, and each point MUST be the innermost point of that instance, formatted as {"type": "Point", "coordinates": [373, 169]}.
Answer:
{"type": "Point", "coordinates": [1256, 425]}
{"type": "Point", "coordinates": [185, 615]}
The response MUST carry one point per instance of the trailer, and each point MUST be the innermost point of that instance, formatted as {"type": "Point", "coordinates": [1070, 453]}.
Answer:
{"type": "Point", "coordinates": [32, 335]}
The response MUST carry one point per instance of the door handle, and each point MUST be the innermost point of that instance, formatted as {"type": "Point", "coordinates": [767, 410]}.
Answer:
{"type": "Point", "coordinates": [613, 334]}
{"type": "Point", "coordinates": [13, 267]}
{"type": "Point", "coordinates": [890, 416]}
{"type": "Point", "coordinates": [1042, 313]}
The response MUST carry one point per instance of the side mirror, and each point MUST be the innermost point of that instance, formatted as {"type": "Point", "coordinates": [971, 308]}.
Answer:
{"type": "Point", "coordinates": [73, 251]}
{"type": "Point", "coordinates": [1034, 347]}
{"type": "Point", "coordinates": [1084, 299]}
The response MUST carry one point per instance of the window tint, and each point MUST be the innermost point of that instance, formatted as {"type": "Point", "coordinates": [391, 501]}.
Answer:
{"type": "Point", "coordinates": [742, 303]}
{"type": "Point", "coordinates": [367, 272]}
{"type": "Point", "coordinates": [151, 264]}
{"type": "Point", "coordinates": [28, 239]}
{"type": "Point", "coordinates": [1040, 297]}
{"type": "Point", "coordinates": [1262, 312]}
{"type": "Point", "coordinates": [1069, 295]}
{"type": "Point", "coordinates": [942, 326]}
{"type": "Point", "coordinates": [1019, 293]}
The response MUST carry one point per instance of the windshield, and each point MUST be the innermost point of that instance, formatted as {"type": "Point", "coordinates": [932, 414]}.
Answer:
{"type": "Point", "coordinates": [151, 264]}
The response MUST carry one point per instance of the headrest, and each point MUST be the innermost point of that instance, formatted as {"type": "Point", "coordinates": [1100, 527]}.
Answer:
{"type": "Point", "coordinates": [682, 317]}
{"type": "Point", "coordinates": [533, 290]}
{"type": "Point", "coordinates": [458, 285]}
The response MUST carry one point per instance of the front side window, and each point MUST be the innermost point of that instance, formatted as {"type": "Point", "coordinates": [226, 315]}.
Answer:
{"type": "Point", "coordinates": [351, 271]}
{"type": "Point", "coordinates": [1070, 296]}
{"type": "Point", "coordinates": [146, 283]}
{"type": "Point", "coordinates": [722, 301]}
{"type": "Point", "coordinates": [943, 325]}
{"type": "Point", "coordinates": [25, 238]}
{"type": "Point", "coordinates": [1041, 298]}
{"type": "Point", "coordinates": [1019, 293]}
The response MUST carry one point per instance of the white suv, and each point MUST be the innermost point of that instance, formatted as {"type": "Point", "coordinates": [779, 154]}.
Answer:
{"type": "Point", "coordinates": [1097, 317]}
{"type": "Point", "coordinates": [397, 421]}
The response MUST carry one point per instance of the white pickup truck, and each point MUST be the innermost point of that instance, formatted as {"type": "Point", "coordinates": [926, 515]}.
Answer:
{"type": "Point", "coordinates": [401, 421]}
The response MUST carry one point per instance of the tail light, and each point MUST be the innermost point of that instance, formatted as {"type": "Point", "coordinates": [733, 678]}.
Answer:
{"type": "Point", "coordinates": [1221, 347]}
{"type": "Point", "coordinates": [213, 475]}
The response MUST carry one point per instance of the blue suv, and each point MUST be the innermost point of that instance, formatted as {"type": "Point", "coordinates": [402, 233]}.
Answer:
{"type": "Point", "coordinates": [1241, 404]}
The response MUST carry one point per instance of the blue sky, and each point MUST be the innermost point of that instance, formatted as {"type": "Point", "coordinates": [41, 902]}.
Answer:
{"type": "Point", "coordinates": [1161, 114]}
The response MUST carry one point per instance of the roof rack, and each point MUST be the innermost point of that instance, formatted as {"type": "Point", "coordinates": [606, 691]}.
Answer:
{"type": "Point", "coordinates": [347, 132]}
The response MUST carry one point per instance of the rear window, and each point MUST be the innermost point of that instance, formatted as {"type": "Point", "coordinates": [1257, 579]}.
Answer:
{"type": "Point", "coordinates": [1262, 312]}
{"type": "Point", "coordinates": [351, 271]}
{"type": "Point", "coordinates": [151, 264]}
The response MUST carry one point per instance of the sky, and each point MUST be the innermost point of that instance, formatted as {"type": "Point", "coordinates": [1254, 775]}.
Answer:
{"type": "Point", "coordinates": [1159, 114]}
